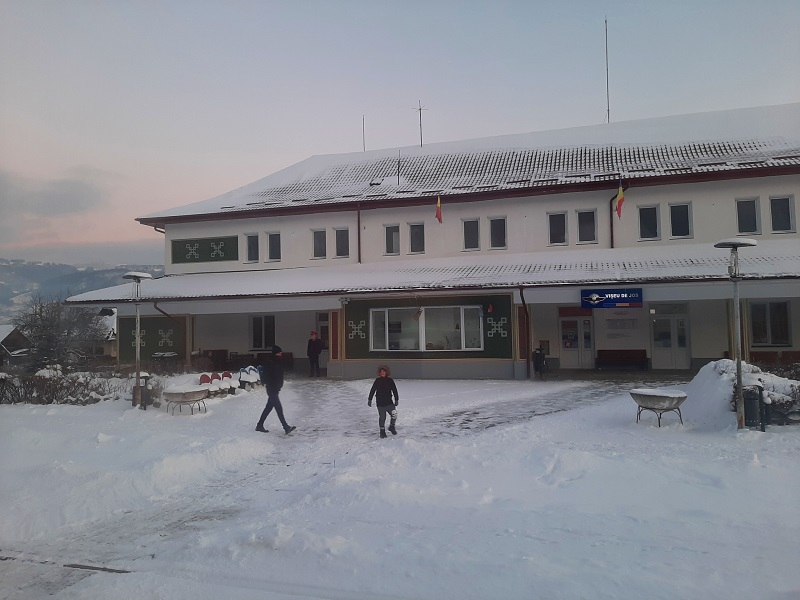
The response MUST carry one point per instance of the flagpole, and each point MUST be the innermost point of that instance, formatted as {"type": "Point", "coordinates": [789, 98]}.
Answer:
{"type": "Point", "coordinates": [608, 98]}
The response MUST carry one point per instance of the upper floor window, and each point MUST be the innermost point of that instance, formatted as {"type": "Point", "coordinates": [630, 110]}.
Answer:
{"type": "Point", "coordinates": [416, 232]}
{"type": "Point", "coordinates": [587, 226]}
{"type": "Point", "coordinates": [747, 220]}
{"type": "Point", "coordinates": [320, 243]}
{"type": "Point", "coordinates": [782, 211]}
{"type": "Point", "coordinates": [648, 223]}
{"type": "Point", "coordinates": [680, 219]}
{"type": "Point", "coordinates": [472, 239]}
{"type": "Point", "coordinates": [273, 246]}
{"type": "Point", "coordinates": [497, 232]}
{"type": "Point", "coordinates": [342, 242]}
{"type": "Point", "coordinates": [252, 247]}
{"type": "Point", "coordinates": [392, 239]}
{"type": "Point", "coordinates": [558, 228]}
{"type": "Point", "coordinates": [770, 323]}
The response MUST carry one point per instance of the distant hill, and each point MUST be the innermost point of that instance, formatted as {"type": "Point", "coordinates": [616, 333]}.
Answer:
{"type": "Point", "coordinates": [19, 279]}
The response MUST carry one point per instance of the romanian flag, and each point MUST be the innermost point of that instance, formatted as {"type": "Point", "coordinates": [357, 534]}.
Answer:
{"type": "Point", "coordinates": [618, 200]}
{"type": "Point", "coordinates": [439, 209]}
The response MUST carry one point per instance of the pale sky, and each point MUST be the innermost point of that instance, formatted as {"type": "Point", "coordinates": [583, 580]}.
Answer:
{"type": "Point", "coordinates": [116, 109]}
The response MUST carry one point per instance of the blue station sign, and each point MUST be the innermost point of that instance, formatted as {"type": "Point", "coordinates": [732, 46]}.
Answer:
{"type": "Point", "coordinates": [611, 298]}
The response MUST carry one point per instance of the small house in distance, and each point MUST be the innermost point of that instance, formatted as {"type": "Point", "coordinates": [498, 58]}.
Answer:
{"type": "Point", "coordinates": [14, 346]}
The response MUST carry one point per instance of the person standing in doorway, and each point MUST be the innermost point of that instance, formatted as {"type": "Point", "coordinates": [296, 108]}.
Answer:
{"type": "Point", "coordinates": [314, 350]}
{"type": "Point", "coordinates": [383, 389]}
{"type": "Point", "coordinates": [272, 379]}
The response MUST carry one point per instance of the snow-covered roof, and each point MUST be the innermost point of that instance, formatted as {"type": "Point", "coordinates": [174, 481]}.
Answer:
{"type": "Point", "coordinates": [736, 141]}
{"type": "Point", "coordinates": [5, 331]}
{"type": "Point", "coordinates": [768, 260]}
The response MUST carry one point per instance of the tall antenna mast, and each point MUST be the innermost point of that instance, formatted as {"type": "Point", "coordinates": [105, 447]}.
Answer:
{"type": "Point", "coordinates": [363, 135]}
{"type": "Point", "coordinates": [608, 98]}
{"type": "Point", "coordinates": [419, 110]}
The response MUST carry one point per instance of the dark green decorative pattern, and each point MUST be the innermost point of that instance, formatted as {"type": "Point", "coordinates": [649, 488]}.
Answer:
{"type": "Point", "coordinates": [205, 250]}
{"type": "Point", "coordinates": [158, 334]}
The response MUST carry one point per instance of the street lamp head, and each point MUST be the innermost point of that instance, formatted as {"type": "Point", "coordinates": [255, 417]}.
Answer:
{"type": "Point", "coordinates": [735, 243]}
{"type": "Point", "coordinates": [137, 276]}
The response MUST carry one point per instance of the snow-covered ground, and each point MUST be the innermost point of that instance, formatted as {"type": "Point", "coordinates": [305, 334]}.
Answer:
{"type": "Point", "coordinates": [491, 489]}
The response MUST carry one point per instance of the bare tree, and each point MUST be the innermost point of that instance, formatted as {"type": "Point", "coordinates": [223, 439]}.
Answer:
{"type": "Point", "coordinates": [59, 334]}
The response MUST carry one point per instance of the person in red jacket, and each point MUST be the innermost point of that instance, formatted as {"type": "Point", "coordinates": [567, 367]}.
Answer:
{"type": "Point", "coordinates": [383, 389]}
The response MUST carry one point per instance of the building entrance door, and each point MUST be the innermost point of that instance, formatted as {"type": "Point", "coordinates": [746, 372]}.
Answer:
{"type": "Point", "coordinates": [670, 342]}
{"type": "Point", "coordinates": [577, 343]}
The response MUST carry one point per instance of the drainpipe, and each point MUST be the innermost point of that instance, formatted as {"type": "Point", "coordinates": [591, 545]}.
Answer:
{"type": "Point", "coordinates": [358, 225]}
{"type": "Point", "coordinates": [528, 334]}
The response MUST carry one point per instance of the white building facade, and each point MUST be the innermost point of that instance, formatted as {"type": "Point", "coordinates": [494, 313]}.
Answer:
{"type": "Point", "coordinates": [532, 251]}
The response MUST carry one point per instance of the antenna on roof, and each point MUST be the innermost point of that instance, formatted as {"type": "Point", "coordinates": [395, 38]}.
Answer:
{"type": "Point", "coordinates": [608, 99]}
{"type": "Point", "coordinates": [398, 167]}
{"type": "Point", "coordinates": [419, 110]}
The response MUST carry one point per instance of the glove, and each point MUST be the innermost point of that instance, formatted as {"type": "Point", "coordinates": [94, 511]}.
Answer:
{"type": "Point", "coordinates": [369, 402]}
{"type": "Point", "coordinates": [397, 402]}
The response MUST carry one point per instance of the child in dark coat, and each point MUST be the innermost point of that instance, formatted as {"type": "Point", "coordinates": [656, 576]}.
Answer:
{"type": "Point", "coordinates": [383, 389]}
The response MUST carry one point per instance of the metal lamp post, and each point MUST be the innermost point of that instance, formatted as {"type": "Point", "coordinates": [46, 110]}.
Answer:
{"type": "Point", "coordinates": [137, 280]}
{"type": "Point", "coordinates": [733, 272]}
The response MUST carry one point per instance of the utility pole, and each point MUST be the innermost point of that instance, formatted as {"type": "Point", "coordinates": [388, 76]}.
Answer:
{"type": "Point", "coordinates": [419, 109]}
{"type": "Point", "coordinates": [608, 97]}
{"type": "Point", "coordinates": [363, 134]}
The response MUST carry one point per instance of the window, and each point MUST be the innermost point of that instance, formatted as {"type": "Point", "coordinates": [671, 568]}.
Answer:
{"type": "Point", "coordinates": [471, 235]}
{"type": "Point", "coordinates": [680, 219]}
{"type": "Point", "coordinates": [770, 323]}
{"type": "Point", "coordinates": [558, 228]}
{"type": "Point", "coordinates": [273, 246]}
{"type": "Point", "coordinates": [782, 210]}
{"type": "Point", "coordinates": [323, 328]}
{"type": "Point", "coordinates": [252, 248]}
{"type": "Point", "coordinates": [416, 232]}
{"type": "Point", "coordinates": [648, 223]}
{"type": "Point", "coordinates": [392, 239]}
{"type": "Point", "coordinates": [262, 332]}
{"type": "Point", "coordinates": [320, 243]}
{"type": "Point", "coordinates": [587, 226]}
{"type": "Point", "coordinates": [497, 232]}
{"type": "Point", "coordinates": [342, 242]}
{"type": "Point", "coordinates": [432, 328]}
{"type": "Point", "coordinates": [747, 215]}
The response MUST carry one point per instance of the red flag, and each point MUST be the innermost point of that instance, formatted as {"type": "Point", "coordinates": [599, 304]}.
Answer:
{"type": "Point", "coordinates": [618, 200]}
{"type": "Point", "coordinates": [439, 209]}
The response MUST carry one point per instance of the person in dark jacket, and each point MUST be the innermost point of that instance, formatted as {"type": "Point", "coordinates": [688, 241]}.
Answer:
{"type": "Point", "coordinates": [272, 378]}
{"type": "Point", "coordinates": [315, 346]}
{"type": "Point", "coordinates": [383, 389]}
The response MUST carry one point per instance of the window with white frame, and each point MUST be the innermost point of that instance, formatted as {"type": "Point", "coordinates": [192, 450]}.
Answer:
{"type": "Point", "coordinates": [252, 247]}
{"type": "Point", "coordinates": [274, 246]}
{"type": "Point", "coordinates": [557, 223]}
{"type": "Point", "coordinates": [648, 223]}
{"type": "Point", "coordinates": [430, 328]}
{"type": "Point", "coordinates": [497, 232]}
{"type": "Point", "coordinates": [747, 218]}
{"type": "Point", "coordinates": [416, 234]}
{"type": "Point", "coordinates": [782, 213]}
{"type": "Point", "coordinates": [342, 242]}
{"type": "Point", "coordinates": [769, 323]}
{"type": "Point", "coordinates": [587, 226]}
{"type": "Point", "coordinates": [472, 239]}
{"type": "Point", "coordinates": [680, 220]}
{"type": "Point", "coordinates": [262, 332]}
{"type": "Point", "coordinates": [392, 233]}
{"type": "Point", "coordinates": [320, 243]}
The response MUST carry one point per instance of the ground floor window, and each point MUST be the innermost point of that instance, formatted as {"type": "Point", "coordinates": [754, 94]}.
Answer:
{"type": "Point", "coordinates": [434, 328]}
{"type": "Point", "coordinates": [262, 332]}
{"type": "Point", "coordinates": [770, 323]}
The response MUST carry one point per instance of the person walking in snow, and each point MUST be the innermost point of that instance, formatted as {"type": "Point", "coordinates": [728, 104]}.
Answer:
{"type": "Point", "coordinates": [272, 378]}
{"type": "Point", "coordinates": [383, 389]}
{"type": "Point", "coordinates": [313, 351]}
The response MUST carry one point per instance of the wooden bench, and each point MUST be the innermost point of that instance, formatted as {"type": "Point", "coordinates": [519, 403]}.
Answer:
{"type": "Point", "coordinates": [621, 358]}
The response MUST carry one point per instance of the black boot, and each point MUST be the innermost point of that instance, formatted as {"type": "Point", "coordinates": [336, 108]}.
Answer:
{"type": "Point", "coordinates": [261, 429]}
{"type": "Point", "coordinates": [392, 429]}
{"type": "Point", "coordinates": [383, 432]}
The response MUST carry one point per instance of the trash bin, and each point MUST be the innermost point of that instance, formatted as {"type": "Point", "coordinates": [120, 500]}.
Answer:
{"type": "Point", "coordinates": [752, 417]}
{"type": "Point", "coordinates": [538, 361]}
